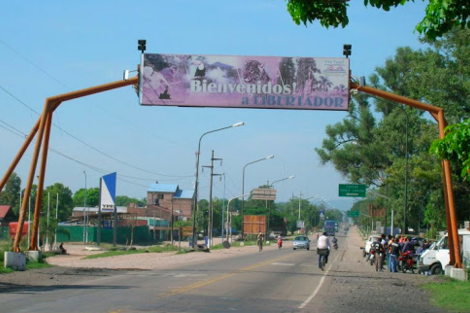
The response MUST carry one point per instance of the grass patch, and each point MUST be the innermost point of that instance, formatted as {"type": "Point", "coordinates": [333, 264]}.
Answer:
{"type": "Point", "coordinates": [5, 270]}
{"type": "Point", "coordinates": [36, 265]}
{"type": "Point", "coordinates": [451, 294]}
{"type": "Point", "coordinates": [29, 265]}
{"type": "Point", "coordinates": [116, 251]}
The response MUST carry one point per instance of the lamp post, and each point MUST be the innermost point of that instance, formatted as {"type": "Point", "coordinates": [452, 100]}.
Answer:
{"type": "Point", "coordinates": [197, 176]}
{"type": "Point", "coordinates": [276, 181]}
{"type": "Point", "coordinates": [406, 170]}
{"type": "Point", "coordinates": [269, 211]}
{"type": "Point", "coordinates": [85, 211]}
{"type": "Point", "coordinates": [391, 222]}
{"type": "Point", "coordinates": [300, 201]}
{"type": "Point", "coordinates": [243, 189]}
{"type": "Point", "coordinates": [228, 211]}
{"type": "Point", "coordinates": [223, 209]}
{"type": "Point", "coordinates": [406, 162]}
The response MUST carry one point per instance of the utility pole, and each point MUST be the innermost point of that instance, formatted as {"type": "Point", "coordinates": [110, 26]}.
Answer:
{"type": "Point", "coordinates": [171, 237]}
{"type": "Point", "coordinates": [210, 223]}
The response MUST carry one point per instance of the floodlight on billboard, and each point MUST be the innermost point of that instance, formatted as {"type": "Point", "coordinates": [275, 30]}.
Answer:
{"type": "Point", "coordinates": [260, 82]}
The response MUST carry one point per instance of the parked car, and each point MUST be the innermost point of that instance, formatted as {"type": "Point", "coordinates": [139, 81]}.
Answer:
{"type": "Point", "coordinates": [369, 242]}
{"type": "Point", "coordinates": [435, 259]}
{"type": "Point", "coordinates": [301, 242]}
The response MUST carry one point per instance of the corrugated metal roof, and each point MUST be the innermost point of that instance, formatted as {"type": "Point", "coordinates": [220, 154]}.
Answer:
{"type": "Point", "coordinates": [184, 194]}
{"type": "Point", "coordinates": [4, 210]}
{"type": "Point", "coordinates": [119, 209]}
{"type": "Point", "coordinates": [163, 188]}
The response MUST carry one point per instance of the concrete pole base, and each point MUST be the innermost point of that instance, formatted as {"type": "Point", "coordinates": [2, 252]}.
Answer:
{"type": "Point", "coordinates": [15, 261]}
{"type": "Point", "coordinates": [34, 256]}
{"type": "Point", "coordinates": [459, 274]}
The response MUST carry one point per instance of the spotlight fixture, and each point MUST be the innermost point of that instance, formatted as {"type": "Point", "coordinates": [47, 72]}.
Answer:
{"type": "Point", "coordinates": [347, 50]}
{"type": "Point", "coordinates": [142, 45]}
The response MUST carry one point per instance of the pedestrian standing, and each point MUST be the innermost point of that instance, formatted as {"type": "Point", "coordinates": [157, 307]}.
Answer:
{"type": "Point", "coordinates": [384, 243]}
{"type": "Point", "coordinates": [389, 242]}
{"type": "Point", "coordinates": [394, 254]}
{"type": "Point", "coordinates": [379, 251]}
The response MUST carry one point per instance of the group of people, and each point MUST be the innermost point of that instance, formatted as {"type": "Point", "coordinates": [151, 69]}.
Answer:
{"type": "Point", "coordinates": [392, 248]}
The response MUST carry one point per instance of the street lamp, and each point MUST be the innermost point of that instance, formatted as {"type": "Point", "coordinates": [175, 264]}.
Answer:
{"type": "Point", "coordinates": [406, 171]}
{"type": "Point", "coordinates": [243, 188]}
{"type": "Point", "coordinates": [276, 181]}
{"type": "Point", "coordinates": [406, 161]}
{"type": "Point", "coordinates": [197, 176]}
{"type": "Point", "coordinates": [300, 200]}
{"type": "Point", "coordinates": [269, 211]}
{"type": "Point", "coordinates": [85, 211]}
{"type": "Point", "coordinates": [229, 230]}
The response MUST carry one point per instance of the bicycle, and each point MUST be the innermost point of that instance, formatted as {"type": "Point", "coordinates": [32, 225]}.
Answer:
{"type": "Point", "coordinates": [323, 262]}
{"type": "Point", "coordinates": [260, 244]}
{"type": "Point", "coordinates": [323, 253]}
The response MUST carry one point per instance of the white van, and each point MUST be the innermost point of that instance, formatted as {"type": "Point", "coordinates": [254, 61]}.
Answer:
{"type": "Point", "coordinates": [435, 259]}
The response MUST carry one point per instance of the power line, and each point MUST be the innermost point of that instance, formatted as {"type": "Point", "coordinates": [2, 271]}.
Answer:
{"type": "Point", "coordinates": [126, 121]}
{"type": "Point", "coordinates": [89, 146]}
{"type": "Point", "coordinates": [19, 133]}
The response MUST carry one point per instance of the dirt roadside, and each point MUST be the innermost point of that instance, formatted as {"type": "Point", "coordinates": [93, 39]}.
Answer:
{"type": "Point", "coordinates": [355, 286]}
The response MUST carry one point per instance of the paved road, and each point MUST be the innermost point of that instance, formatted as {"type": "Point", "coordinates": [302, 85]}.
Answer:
{"type": "Point", "coordinates": [269, 281]}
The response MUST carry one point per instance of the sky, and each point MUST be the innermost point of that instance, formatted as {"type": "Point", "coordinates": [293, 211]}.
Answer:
{"type": "Point", "coordinates": [54, 47]}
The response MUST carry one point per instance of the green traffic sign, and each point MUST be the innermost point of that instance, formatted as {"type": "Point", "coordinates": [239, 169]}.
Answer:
{"type": "Point", "coordinates": [352, 190]}
{"type": "Point", "coordinates": [354, 213]}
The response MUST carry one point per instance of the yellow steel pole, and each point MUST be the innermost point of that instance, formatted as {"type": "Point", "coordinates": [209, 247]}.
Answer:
{"type": "Point", "coordinates": [42, 170]}
{"type": "Point", "coordinates": [51, 104]}
{"type": "Point", "coordinates": [32, 170]}
{"type": "Point", "coordinates": [19, 155]}
{"type": "Point", "coordinates": [438, 114]}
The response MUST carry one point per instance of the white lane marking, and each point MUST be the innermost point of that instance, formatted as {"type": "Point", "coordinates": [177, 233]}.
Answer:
{"type": "Point", "coordinates": [188, 275]}
{"type": "Point", "coordinates": [318, 287]}
{"type": "Point", "coordinates": [283, 264]}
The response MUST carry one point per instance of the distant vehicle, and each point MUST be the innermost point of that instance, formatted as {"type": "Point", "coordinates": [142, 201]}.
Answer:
{"type": "Point", "coordinates": [330, 228]}
{"type": "Point", "coordinates": [369, 242]}
{"type": "Point", "coordinates": [13, 226]}
{"type": "Point", "coordinates": [301, 242]}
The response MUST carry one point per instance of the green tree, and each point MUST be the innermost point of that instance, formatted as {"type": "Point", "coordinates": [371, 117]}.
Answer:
{"type": "Point", "coordinates": [11, 194]}
{"type": "Point", "coordinates": [440, 16]}
{"type": "Point", "coordinates": [125, 200]}
{"type": "Point", "coordinates": [92, 197]}
{"type": "Point", "coordinates": [65, 203]}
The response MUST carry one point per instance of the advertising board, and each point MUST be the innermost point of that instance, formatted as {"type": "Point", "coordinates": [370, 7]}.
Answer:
{"type": "Point", "coordinates": [265, 82]}
{"type": "Point", "coordinates": [253, 224]}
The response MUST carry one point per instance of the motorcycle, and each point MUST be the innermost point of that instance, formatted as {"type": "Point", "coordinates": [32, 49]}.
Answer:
{"type": "Point", "coordinates": [279, 243]}
{"type": "Point", "coordinates": [372, 257]}
{"type": "Point", "coordinates": [335, 245]}
{"type": "Point", "coordinates": [405, 262]}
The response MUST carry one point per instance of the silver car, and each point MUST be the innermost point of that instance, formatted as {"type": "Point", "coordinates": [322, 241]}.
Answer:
{"type": "Point", "coordinates": [301, 242]}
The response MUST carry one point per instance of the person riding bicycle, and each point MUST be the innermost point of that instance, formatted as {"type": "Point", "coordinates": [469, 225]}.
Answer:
{"type": "Point", "coordinates": [260, 240]}
{"type": "Point", "coordinates": [335, 242]}
{"type": "Point", "coordinates": [323, 249]}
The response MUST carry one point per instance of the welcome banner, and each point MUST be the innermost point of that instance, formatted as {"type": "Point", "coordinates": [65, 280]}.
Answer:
{"type": "Point", "coordinates": [259, 82]}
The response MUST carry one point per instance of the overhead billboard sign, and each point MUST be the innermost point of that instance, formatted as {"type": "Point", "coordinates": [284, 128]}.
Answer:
{"type": "Point", "coordinates": [263, 194]}
{"type": "Point", "coordinates": [260, 82]}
